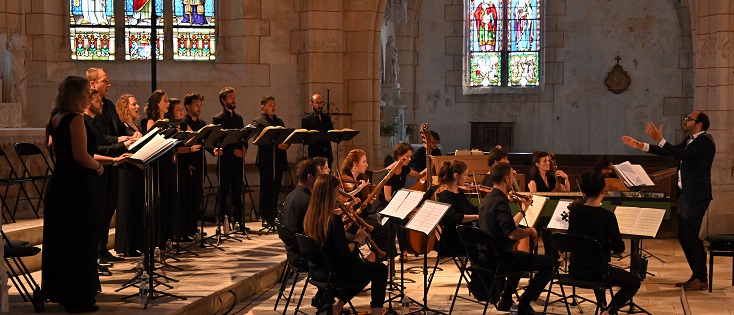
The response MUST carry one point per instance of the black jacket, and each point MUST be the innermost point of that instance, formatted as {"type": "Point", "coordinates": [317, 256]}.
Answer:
{"type": "Point", "coordinates": [694, 165]}
{"type": "Point", "coordinates": [264, 157]}
{"type": "Point", "coordinates": [323, 148]}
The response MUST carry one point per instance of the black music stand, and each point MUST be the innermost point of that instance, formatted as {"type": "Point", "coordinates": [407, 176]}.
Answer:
{"type": "Point", "coordinates": [272, 136]}
{"type": "Point", "coordinates": [235, 136]}
{"type": "Point", "coordinates": [339, 136]}
{"type": "Point", "coordinates": [213, 142]}
{"type": "Point", "coordinates": [152, 195]}
{"type": "Point", "coordinates": [418, 223]}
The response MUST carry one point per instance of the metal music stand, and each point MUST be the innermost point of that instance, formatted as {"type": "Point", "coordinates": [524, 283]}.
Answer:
{"type": "Point", "coordinates": [235, 136]}
{"type": "Point", "coordinates": [212, 142]}
{"type": "Point", "coordinates": [152, 195]}
{"type": "Point", "coordinates": [339, 136]}
{"type": "Point", "coordinates": [272, 137]}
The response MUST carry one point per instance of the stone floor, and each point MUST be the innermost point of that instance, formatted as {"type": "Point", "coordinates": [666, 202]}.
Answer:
{"type": "Point", "coordinates": [250, 269]}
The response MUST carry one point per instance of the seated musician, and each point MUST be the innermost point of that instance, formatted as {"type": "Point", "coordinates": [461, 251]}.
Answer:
{"type": "Point", "coordinates": [540, 181]}
{"type": "Point", "coordinates": [355, 183]}
{"type": "Point", "coordinates": [323, 164]}
{"type": "Point", "coordinates": [418, 162]}
{"type": "Point", "coordinates": [326, 228]}
{"type": "Point", "coordinates": [603, 165]}
{"type": "Point", "coordinates": [592, 220]}
{"type": "Point", "coordinates": [495, 218]}
{"type": "Point", "coordinates": [496, 154]}
{"type": "Point", "coordinates": [451, 176]}
{"type": "Point", "coordinates": [294, 209]}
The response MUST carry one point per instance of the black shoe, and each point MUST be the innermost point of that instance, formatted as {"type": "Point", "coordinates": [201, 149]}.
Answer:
{"type": "Point", "coordinates": [504, 306]}
{"type": "Point", "coordinates": [103, 271]}
{"type": "Point", "coordinates": [112, 258]}
{"type": "Point", "coordinates": [102, 261]}
{"type": "Point", "coordinates": [525, 309]}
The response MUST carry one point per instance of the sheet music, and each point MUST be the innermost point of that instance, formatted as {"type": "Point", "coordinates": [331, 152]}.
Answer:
{"type": "Point", "coordinates": [144, 138]}
{"type": "Point", "coordinates": [559, 219]}
{"type": "Point", "coordinates": [395, 203]}
{"type": "Point", "coordinates": [645, 180]}
{"type": "Point", "coordinates": [639, 221]}
{"type": "Point", "coordinates": [633, 174]}
{"type": "Point", "coordinates": [428, 216]}
{"type": "Point", "coordinates": [533, 212]}
{"type": "Point", "coordinates": [153, 147]}
{"type": "Point", "coordinates": [404, 201]}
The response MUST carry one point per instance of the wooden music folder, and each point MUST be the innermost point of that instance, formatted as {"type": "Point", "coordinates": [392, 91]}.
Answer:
{"type": "Point", "coordinates": [342, 135]}
{"type": "Point", "coordinates": [272, 135]}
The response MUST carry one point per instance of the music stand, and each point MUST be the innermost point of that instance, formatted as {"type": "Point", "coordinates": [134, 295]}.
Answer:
{"type": "Point", "coordinates": [148, 155]}
{"type": "Point", "coordinates": [212, 142]}
{"type": "Point", "coordinates": [235, 136]}
{"type": "Point", "coordinates": [272, 136]}
{"type": "Point", "coordinates": [339, 136]}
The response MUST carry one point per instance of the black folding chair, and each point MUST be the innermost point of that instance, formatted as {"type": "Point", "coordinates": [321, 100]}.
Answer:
{"type": "Point", "coordinates": [489, 280]}
{"type": "Point", "coordinates": [19, 274]}
{"type": "Point", "coordinates": [328, 287]}
{"type": "Point", "coordinates": [290, 270]}
{"type": "Point", "coordinates": [582, 245]}
{"type": "Point", "coordinates": [29, 153]}
{"type": "Point", "coordinates": [8, 179]}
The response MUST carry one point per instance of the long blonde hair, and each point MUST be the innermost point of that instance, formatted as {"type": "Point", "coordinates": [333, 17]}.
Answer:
{"type": "Point", "coordinates": [321, 208]}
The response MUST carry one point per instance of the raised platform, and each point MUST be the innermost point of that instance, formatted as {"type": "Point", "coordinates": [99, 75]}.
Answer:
{"type": "Point", "coordinates": [211, 283]}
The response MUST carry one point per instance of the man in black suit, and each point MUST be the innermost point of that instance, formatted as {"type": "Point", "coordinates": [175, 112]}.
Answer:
{"type": "Point", "coordinates": [113, 130]}
{"type": "Point", "coordinates": [191, 170]}
{"type": "Point", "coordinates": [269, 183]}
{"type": "Point", "coordinates": [232, 157]}
{"type": "Point", "coordinates": [695, 155]}
{"type": "Point", "coordinates": [318, 120]}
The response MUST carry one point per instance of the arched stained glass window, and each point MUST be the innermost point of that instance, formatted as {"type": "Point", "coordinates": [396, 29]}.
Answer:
{"type": "Point", "coordinates": [92, 29]}
{"type": "Point", "coordinates": [502, 44]}
{"type": "Point", "coordinates": [191, 31]}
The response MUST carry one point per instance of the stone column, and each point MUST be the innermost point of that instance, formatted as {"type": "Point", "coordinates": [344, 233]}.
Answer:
{"type": "Point", "coordinates": [713, 39]}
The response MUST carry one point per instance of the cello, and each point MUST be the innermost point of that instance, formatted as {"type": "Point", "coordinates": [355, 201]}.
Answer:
{"type": "Point", "coordinates": [415, 240]}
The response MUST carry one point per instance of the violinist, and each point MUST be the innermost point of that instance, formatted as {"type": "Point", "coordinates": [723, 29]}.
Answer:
{"type": "Point", "coordinates": [326, 228]}
{"type": "Point", "coordinates": [294, 210]}
{"type": "Point", "coordinates": [355, 183]}
{"type": "Point", "coordinates": [497, 220]}
{"type": "Point", "coordinates": [451, 176]}
{"type": "Point", "coordinates": [542, 167]}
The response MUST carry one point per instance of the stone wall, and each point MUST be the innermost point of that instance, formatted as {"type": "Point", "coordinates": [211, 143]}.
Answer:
{"type": "Point", "coordinates": [574, 113]}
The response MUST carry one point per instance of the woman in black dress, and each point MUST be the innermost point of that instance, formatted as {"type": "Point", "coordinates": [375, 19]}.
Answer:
{"type": "Point", "coordinates": [69, 274]}
{"type": "Point", "coordinates": [326, 228]}
{"type": "Point", "coordinates": [540, 179]}
{"type": "Point", "coordinates": [590, 219]}
{"type": "Point", "coordinates": [129, 235]}
{"type": "Point", "coordinates": [451, 176]}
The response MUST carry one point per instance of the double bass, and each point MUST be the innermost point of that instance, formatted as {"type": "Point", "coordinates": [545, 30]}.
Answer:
{"type": "Point", "coordinates": [415, 240]}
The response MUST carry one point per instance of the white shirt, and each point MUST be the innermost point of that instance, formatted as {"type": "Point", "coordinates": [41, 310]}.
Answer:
{"type": "Point", "coordinates": [646, 148]}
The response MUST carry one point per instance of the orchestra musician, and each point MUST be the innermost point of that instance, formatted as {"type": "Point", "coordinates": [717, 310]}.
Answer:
{"type": "Point", "coordinates": [323, 165]}
{"type": "Point", "coordinates": [294, 210]}
{"type": "Point", "coordinates": [540, 180]}
{"type": "Point", "coordinates": [590, 219]}
{"type": "Point", "coordinates": [418, 162]}
{"type": "Point", "coordinates": [451, 176]}
{"type": "Point", "coordinates": [495, 218]}
{"type": "Point", "coordinates": [603, 165]}
{"type": "Point", "coordinates": [327, 229]}
{"type": "Point", "coordinates": [355, 182]}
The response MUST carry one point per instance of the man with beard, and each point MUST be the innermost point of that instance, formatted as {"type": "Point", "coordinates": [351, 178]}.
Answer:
{"type": "Point", "coordinates": [232, 158]}
{"type": "Point", "coordinates": [107, 152]}
{"type": "Point", "coordinates": [695, 155]}
{"type": "Point", "coordinates": [112, 129]}
{"type": "Point", "coordinates": [269, 184]}
{"type": "Point", "coordinates": [318, 120]}
{"type": "Point", "coordinates": [191, 169]}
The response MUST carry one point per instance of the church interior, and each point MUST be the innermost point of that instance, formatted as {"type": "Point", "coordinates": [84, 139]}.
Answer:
{"type": "Point", "coordinates": [570, 77]}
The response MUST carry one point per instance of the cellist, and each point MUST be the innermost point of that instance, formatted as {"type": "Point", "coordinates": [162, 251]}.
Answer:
{"type": "Point", "coordinates": [354, 180]}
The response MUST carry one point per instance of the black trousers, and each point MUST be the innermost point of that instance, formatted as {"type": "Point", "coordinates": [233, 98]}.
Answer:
{"type": "Point", "coordinates": [690, 217]}
{"type": "Point", "coordinates": [190, 187]}
{"type": "Point", "coordinates": [517, 261]}
{"type": "Point", "coordinates": [269, 191]}
{"type": "Point", "coordinates": [366, 272]}
{"type": "Point", "coordinates": [230, 182]}
{"type": "Point", "coordinates": [107, 186]}
{"type": "Point", "coordinates": [627, 282]}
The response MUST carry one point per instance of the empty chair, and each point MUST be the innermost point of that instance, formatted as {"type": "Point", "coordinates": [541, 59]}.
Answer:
{"type": "Point", "coordinates": [32, 159]}
{"type": "Point", "coordinates": [19, 274]}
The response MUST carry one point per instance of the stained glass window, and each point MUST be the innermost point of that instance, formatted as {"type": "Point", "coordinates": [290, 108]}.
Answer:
{"type": "Point", "coordinates": [92, 29]}
{"type": "Point", "coordinates": [193, 30]}
{"type": "Point", "coordinates": [503, 43]}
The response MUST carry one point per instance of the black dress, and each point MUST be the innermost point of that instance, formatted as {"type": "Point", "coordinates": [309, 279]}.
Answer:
{"type": "Point", "coordinates": [129, 235]}
{"type": "Point", "coordinates": [450, 245]}
{"type": "Point", "coordinates": [69, 256]}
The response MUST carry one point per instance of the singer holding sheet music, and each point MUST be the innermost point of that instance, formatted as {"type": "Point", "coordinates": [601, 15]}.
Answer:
{"type": "Point", "coordinates": [497, 220]}
{"type": "Point", "coordinates": [231, 160]}
{"type": "Point", "coordinates": [696, 154]}
{"type": "Point", "coordinates": [590, 219]}
{"type": "Point", "coordinates": [318, 120]}
{"type": "Point", "coordinates": [269, 184]}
